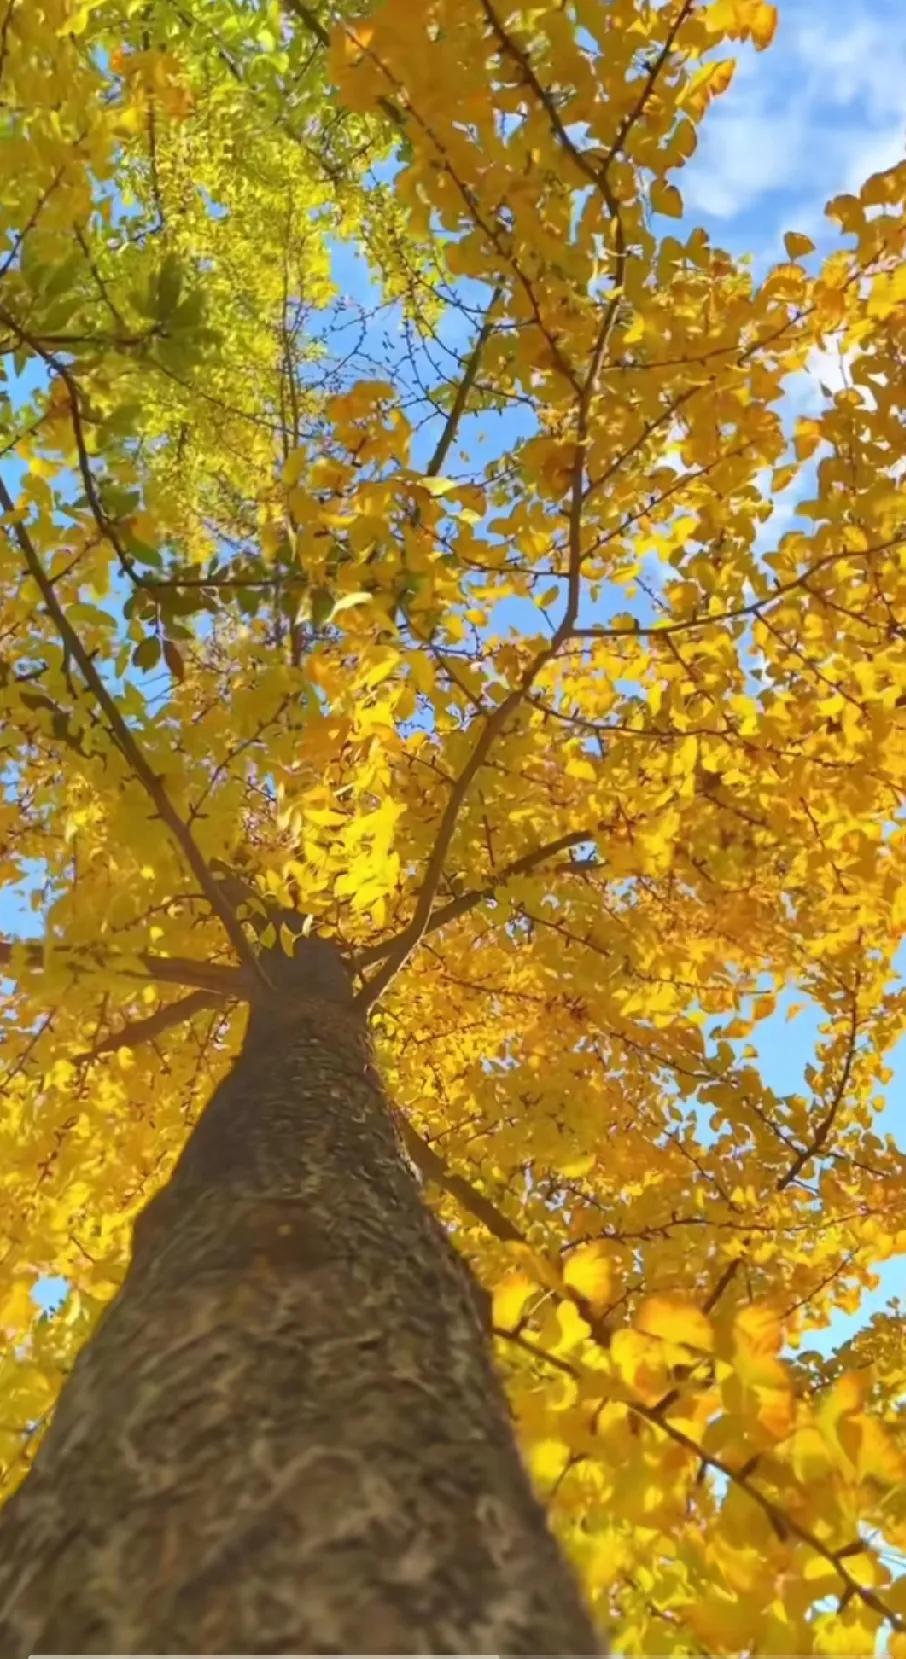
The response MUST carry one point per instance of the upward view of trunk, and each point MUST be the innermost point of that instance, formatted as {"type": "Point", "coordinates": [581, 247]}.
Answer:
{"type": "Point", "coordinates": [286, 1435]}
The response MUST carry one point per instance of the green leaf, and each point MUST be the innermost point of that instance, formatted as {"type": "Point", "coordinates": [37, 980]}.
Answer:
{"type": "Point", "coordinates": [145, 300]}
{"type": "Point", "coordinates": [88, 615]}
{"type": "Point", "coordinates": [119, 502]}
{"type": "Point", "coordinates": [122, 421]}
{"type": "Point", "coordinates": [147, 652]}
{"type": "Point", "coordinates": [321, 606]}
{"type": "Point", "coordinates": [190, 312]}
{"type": "Point", "coordinates": [63, 276]}
{"type": "Point", "coordinates": [141, 554]}
{"type": "Point", "coordinates": [173, 355]}
{"type": "Point", "coordinates": [169, 285]}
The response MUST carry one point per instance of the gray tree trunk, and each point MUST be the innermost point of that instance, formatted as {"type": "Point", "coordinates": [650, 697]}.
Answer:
{"type": "Point", "coordinates": [286, 1435]}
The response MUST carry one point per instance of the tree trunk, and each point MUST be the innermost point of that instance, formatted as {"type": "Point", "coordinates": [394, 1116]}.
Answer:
{"type": "Point", "coordinates": [286, 1435]}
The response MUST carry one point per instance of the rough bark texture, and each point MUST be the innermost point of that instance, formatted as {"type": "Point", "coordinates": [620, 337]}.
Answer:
{"type": "Point", "coordinates": [286, 1436]}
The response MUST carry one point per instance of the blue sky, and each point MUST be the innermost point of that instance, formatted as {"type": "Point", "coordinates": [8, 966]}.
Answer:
{"type": "Point", "coordinates": [804, 121]}
{"type": "Point", "coordinates": [807, 120]}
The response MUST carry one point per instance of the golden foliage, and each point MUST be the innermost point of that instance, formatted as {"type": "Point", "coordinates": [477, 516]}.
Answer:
{"type": "Point", "coordinates": [583, 766]}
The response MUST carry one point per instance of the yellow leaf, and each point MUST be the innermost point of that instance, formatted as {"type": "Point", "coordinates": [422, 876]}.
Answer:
{"type": "Point", "coordinates": [271, 538]}
{"type": "Point", "coordinates": [675, 1320]}
{"type": "Point", "coordinates": [877, 1458]}
{"type": "Point", "coordinates": [848, 1634]}
{"type": "Point", "coordinates": [708, 82]}
{"type": "Point", "coordinates": [509, 1299]}
{"type": "Point", "coordinates": [294, 467]}
{"type": "Point", "coordinates": [288, 940]}
{"type": "Point", "coordinates": [797, 245]}
{"type": "Point", "coordinates": [639, 1360]}
{"type": "Point", "coordinates": [666, 199]}
{"type": "Point", "coordinates": [722, 1622]}
{"type": "Point", "coordinates": [758, 1329]}
{"type": "Point", "coordinates": [588, 1272]}
{"type": "Point", "coordinates": [846, 1396]}
{"type": "Point", "coordinates": [763, 24]}
{"type": "Point", "coordinates": [582, 1164]}
{"type": "Point", "coordinates": [807, 437]}
{"type": "Point", "coordinates": [572, 1328]}
{"type": "Point", "coordinates": [809, 1454]}
{"type": "Point", "coordinates": [17, 1310]}
{"type": "Point", "coordinates": [548, 1459]}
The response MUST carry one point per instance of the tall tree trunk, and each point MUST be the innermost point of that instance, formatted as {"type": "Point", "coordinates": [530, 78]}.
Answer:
{"type": "Point", "coordinates": [286, 1435]}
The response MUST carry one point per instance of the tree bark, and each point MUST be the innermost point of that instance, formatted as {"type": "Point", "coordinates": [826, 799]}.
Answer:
{"type": "Point", "coordinates": [286, 1435]}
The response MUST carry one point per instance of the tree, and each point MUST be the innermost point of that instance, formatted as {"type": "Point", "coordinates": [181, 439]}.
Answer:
{"type": "Point", "coordinates": [397, 645]}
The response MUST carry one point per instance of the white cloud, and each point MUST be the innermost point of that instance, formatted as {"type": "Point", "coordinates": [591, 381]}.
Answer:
{"type": "Point", "coordinates": [874, 154]}
{"type": "Point", "coordinates": [813, 116]}
{"type": "Point", "coordinates": [852, 59]}
{"type": "Point", "coordinates": [805, 394]}
{"type": "Point", "coordinates": [747, 153]}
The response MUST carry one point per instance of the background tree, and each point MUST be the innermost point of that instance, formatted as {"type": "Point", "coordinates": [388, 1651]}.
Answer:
{"type": "Point", "coordinates": [576, 773]}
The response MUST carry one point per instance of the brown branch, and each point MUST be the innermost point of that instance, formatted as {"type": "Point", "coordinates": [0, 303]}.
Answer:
{"type": "Point", "coordinates": [470, 373]}
{"type": "Point", "coordinates": [594, 172]}
{"type": "Point", "coordinates": [577, 489]}
{"type": "Point", "coordinates": [464, 902]}
{"type": "Point", "coordinates": [99, 282]}
{"type": "Point", "coordinates": [312, 23]}
{"type": "Point", "coordinates": [434, 1168]}
{"type": "Point", "coordinates": [102, 519]}
{"type": "Point", "coordinates": [726, 1278]}
{"type": "Point", "coordinates": [779, 1518]}
{"type": "Point", "coordinates": [495, 722]}
{"type": "Point", "coordinates": [816, 1145]}
{"type": "Point", "coordinates": [781, 1521]}
{"type": "Point", "coordinates": [823, 1283]}
{"type": "Point", "coordinates": [125, 741]}
{"type": "Point", "coordinates": [36, 212]}
{"type": "Point", "coordinates": [145, 1031]}
{"type": "Point", "coordinates": [658, 63]}
{"type": "Point", "coordinates": [493, 231]}
{"type": "Point", "coordinates": [408, 939]}
{"type": "Point", "coordinates": [737, 612]}
{"type": "Point", "coordinates": [315, 27]}
{"type": "Point", "coordinates": [218, 979]}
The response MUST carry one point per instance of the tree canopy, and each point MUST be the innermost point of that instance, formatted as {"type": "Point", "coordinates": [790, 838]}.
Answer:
{"type": "Point", "coordinates": [388, 474]}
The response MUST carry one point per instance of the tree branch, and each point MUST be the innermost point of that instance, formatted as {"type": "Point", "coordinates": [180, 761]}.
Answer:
{"type": "Point", "coordinates": [782, 1521]}
{"type": "Point", "coordinates": [464, 902]}
{"type": "Point", "coordinates": [218, 979]}
{"type": "Point", "coordinates": [434, 1168]}
{"type": "Point", "coordinates": [451, 425]}
{"type": "Point", "coordinates": [125, 740]}
{"type": "Point", "coordinates": [316, 28]}
{"type": "Point", "coordinates": [145, 1031]}
{"type": "Point", "coordinates": [816, 1145]}
{"type": "Point", "coordinates": [312, 23]}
